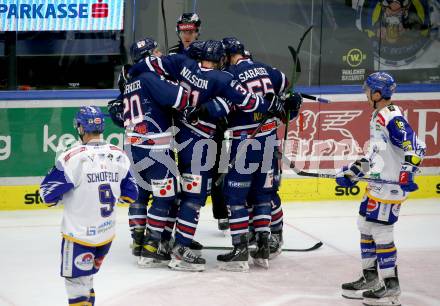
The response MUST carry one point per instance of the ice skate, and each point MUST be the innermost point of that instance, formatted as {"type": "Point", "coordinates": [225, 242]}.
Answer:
{"type": "Point", "coordinates": [184, 259]}
{"type": "Point", "coordinates": [138, 239]}
{"type": "Point", "coordinates": [275, 244]}
{"type": "Point", "coordinates": [369, 280]}
{"type": "Point", "coordinates": [387, 294]}
{"type": "Point", "coordinates": [195, 246]}
{"type": "Point", "coordinates": [262, 252]}
{"type": "Point", "coordinates": [237, 259]}
{"type": "Point", "coordinates": [153, 255]}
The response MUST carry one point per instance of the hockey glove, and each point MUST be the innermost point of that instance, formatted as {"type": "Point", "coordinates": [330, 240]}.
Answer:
{"type": "Point", "coordinates": [407, 173]}
{"type": "Point", "coordinates": [276, 105]}
{"type": "Point", "coordinates": [192, 114]}
{"type": "Point", "coordinates": [116, 111]}
{"type": "Point", "coordinates": [348, 176]}
{"type": "Point", "coordinates": [292, 101]}
{"type": "Point", "coordinates": [123, 77]}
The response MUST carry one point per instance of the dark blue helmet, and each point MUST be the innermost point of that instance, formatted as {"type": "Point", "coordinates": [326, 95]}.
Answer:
{"type": "Point", "coordinates": [381, 82]}
{"type": "Point", "coordinates": [195, 50]}
{"type": "Point", "coordinates": [212, 51]}
{"type": "Point", "coordinates": [142, 48]}
{"type": "Point", "coordinates": [91, 118]}
{"type": "Point", "coordinates": [233, 46]}
{"type": "Point", "coordinates": [188, 22]}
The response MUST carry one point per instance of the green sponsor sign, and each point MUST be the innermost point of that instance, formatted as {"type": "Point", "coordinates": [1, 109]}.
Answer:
{"type": "Point", "coordinates": [31, 137]}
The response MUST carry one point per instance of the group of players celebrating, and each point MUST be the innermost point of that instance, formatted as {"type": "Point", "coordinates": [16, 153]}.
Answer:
{"type": "Point", "coordinates": [203, 82]}
{"type": "Point", "coordinates": [175, 110]}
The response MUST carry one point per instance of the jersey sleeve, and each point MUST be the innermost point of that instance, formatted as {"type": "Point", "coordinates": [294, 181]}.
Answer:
{"type": "Point", "coordinates": [278, 79]}
{"type": "Point", "coordinates": [217, 108]}
{"type": "Point", "coordinates": [165, 93]}
{"type": "Point", "coordinates": [129, 189]}
{"type": "Point", "coordinates": [234, 92]}
{"type": "Point", "coordinates": [55, 184]}
{"type": "Point", "coordinates": [403, 136]}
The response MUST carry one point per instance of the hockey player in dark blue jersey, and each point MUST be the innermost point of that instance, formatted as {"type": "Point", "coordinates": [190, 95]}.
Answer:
{"type": "Point", "coordinates": [205, 82]}
{"type": "Point", "coordinates": [137, 212]}
{"type": "Point", "coordinates": [258, 189]}
{"type": "Point", "coordinates": [188, 30]}
{"type": "Point", "coordinates": [147, 100]}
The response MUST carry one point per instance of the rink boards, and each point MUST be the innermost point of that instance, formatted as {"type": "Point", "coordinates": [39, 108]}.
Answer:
{"type": "Point", "coordinates": [33, 127]}
{"type": "Point", "coordinates": [292, 189]}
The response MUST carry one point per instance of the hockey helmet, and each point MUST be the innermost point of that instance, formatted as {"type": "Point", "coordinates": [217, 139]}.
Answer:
{"type": "Point", "coordinates": [91, 118]}
{"type": "Point", "coordinates": [232, 46]}
{"type": "Point", "coordinates": [142, 48]}
{"type": "Point", "coordinates": [212, 51]}
{"type": "Point", "coordinates": [381, 82]}
{"type": "Point", "coordinates": [188, 22]}
{"type": "Point", "coordinates": [195, 50]}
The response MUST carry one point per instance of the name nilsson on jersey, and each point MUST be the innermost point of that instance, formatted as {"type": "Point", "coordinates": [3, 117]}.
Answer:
{"type": "Point", "coordinates": [102, 177]}
{"type": "Point", "coordinates": [194, 80]}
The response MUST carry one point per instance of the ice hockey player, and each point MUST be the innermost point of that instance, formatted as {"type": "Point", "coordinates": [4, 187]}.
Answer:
{"type": "Point", "coordinates": [395, 154]}
{"type": "Point", "coordinates": [148, 99]}
{"type": "Point", "coordinates": [89, 179]}
{"type": "Point", "coordinates": [188, 30]}
{"type": "Point", "coordinates": [258, 187]}
{"type": "Point", "coordinates": [137, 211]}
{"type": "Point", "coordinates": [205, 82]}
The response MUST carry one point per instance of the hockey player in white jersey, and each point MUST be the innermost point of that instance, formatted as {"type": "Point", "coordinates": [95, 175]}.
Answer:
{"type": "Point", "coordinates": [395, 153]}
{"type": "Point", "coordinates": [89, 179]}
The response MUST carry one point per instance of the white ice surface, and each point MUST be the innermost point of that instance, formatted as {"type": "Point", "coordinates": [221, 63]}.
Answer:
{"type": "Point", "coordinates": [30, 256]}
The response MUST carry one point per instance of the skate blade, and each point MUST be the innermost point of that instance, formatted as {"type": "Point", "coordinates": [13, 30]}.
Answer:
{"type": "Point", "coordinates": [144, 262]}
{"type": "Point", "coordinates": [234, 266]}
{"type": "Point", "coordinates": [353, 294]}
{"type": "Point", "coordinates": [385, 301]}
{"type": "Point", "coordinates": [264, 263]}
{"type": "Point", "coordinates": [180, 265]}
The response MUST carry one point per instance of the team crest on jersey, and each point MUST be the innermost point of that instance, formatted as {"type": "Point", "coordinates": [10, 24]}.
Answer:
{"type": "Point", "coordinates": [163, 188]}
{"type": "Point", "coordinates": [191, 183]}
{"type": "Point", "coordinates": [84, 261]}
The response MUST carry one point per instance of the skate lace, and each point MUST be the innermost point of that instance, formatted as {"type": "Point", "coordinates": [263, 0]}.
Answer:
{"type": "Point", "coordinates": [274, 241]}
{"type": "Point", "coordinates": [187, 253]}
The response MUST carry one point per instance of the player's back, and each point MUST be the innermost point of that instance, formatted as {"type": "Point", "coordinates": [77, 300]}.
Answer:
{"type": "Point", "coordinates": [96, 171]}
{"type": "Point", "coordinates": [260, 79]}
{"type": "Point", "coordinates": [142, 112]}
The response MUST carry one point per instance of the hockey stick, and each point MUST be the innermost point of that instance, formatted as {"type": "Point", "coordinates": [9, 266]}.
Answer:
{"type": "Point", "coordinates": [310, 97]}
{"type": "Point", "coordinates": [333, 176]}
{"type": "Point", "coordinates": [295, 72]}
{"type": "Point", "coordinates": [312, 248]}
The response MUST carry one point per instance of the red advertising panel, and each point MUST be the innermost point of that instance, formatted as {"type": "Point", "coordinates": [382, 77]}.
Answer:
{"type": "Point", "coordinates": [328, 136]}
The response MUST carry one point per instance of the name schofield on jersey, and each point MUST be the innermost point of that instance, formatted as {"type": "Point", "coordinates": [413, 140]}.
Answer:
{"type": "Point", "coordinates": [252, 73]}
{"type": "Point", "coordinates": [102, 177]}
{"type": "Point", "coordinates": [193, 79]}
{"type": "Point", "coordinates": [130, 87]}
